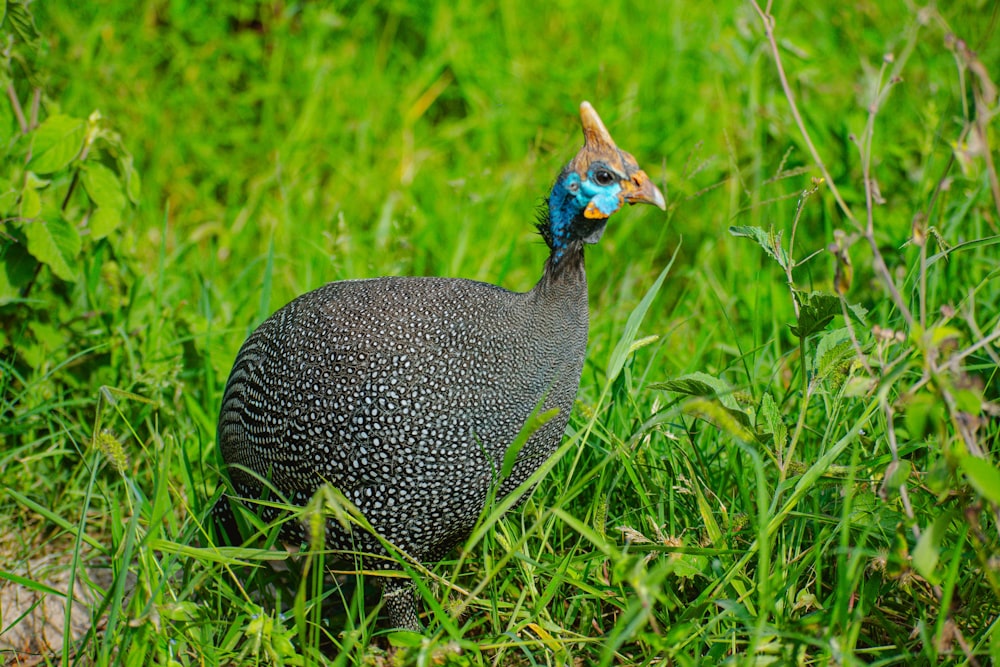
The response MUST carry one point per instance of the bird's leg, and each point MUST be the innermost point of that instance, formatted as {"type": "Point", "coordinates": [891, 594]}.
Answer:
{"type": "Point", "coordinates": [399, 598]}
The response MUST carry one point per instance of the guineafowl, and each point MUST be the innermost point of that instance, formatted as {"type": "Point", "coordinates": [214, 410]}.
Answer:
{"type": "Point", "coordinates": [405, 393]}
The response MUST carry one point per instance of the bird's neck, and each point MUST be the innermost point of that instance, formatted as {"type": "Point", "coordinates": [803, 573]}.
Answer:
{"type": "Point", "coordinates": [564, 279]}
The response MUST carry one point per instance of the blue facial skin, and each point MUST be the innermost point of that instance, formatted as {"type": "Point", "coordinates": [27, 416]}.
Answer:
{"type": "Point", "coordinates": [570, 196]}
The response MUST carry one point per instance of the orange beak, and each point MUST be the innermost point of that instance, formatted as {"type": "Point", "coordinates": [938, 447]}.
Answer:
{"type": "Point", "coordinates": [640, 190]}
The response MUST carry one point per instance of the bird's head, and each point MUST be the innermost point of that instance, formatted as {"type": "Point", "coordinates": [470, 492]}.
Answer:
{"type": "Point", "coordinates": [595, 184]}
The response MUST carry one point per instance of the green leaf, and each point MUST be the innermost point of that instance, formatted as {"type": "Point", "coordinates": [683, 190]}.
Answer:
{"type": "Point", "coordinates": [923, 414]}
{"type": "Point", "coordinates": [772, 421]}
{"type": "Point", "coordinates": [56, 143]}
{"type": "Point", "coordinates": [32, 180]}
{"type": "Point", "coordinates": [103, 221]}
{"type": "Point", "coordinates": [897, 473]}
{"type": "Point", "coordinates": [9, 196]}
{"type": "Point", "coordinates": [817, 309]}
{"type": "Point", "coordinates": [898, 560]}
{"type": "Point", "coordinates": [732, 421]}
{"type": "Point", "coordinates": [405, 639]}
{"type": "Point", "coordinates": [624, 345]}
{"type": "Point", "coordinates": [928, 550]}
{"type": "Point", "coordinates": [31, 204]}
{"type": "Point", "coordinates": [983, 477]}
{"type": "Point", "coordinates": [534, 422]}
{"type": "Point", "coordinates": [22, 21]}
{"type": "Point", "coordinates": [54, 242]}
{"type": "Point", "coordinates": [185, 611]}
{"type": "Point", "coordinates": [969, 401]}
{"type": "Point", "coordinates": [133, 184]}
{"type": "Point", "coordinates": [700, 384]}
{"type": "Point", "coordinates": [859, 312]}
{"type": "Point", "coordinates": [722, 409]}
{"type": "Point", "coordinates": [832, 352]}
{"type": "Point", "coordinates": [16, 269]}
{"type": "Point", "coordinates": [768, 240]}
{"type": "Point", "coordinates": [103, 187]}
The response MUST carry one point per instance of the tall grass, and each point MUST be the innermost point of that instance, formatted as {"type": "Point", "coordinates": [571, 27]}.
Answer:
{"type": "Point", "coordinates": [784, 453]}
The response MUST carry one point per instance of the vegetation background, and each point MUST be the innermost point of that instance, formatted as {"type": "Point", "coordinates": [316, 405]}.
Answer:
{"type": "Point", "coordinates": [784, 453]}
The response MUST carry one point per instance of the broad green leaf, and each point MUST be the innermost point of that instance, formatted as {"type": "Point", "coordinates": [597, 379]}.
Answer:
{"type": "Point", "coordinates": [54, 242]}
{"type": "Point", "coordinates": [103, 187]}
{"type": "Point", "coordinates": [859, 312]}
{"type": "Point", "coordinates": [21, 20]}
{"type": "Point", "coordinates": [33, 180]}
{"type": "Point", "coordinates": [928, 549]}
{"type": "Point", "coordinates": [405, 639]}
{"type": "Point", "coordinates": [56, 143]}
{"type": "Point", "coordinates": [832, 352]}
{"type": "Point", "coordinates": [858, 385]}
{"type": "Point", "coordinates": [180, 611]}
{"type": "Point", "coordinates": [768, 240]}
{"type": "Point", "coordinates": [700, 384]}
{"type": "Point", "coordinates": [983, 477]}
{"type": "Point", "coordinates": [817, 309]}
{"type": "Point", "coordinates": [722, 408]}
{"type": "Point", "coordinates": [772, 421]}
{"type": "Point", "coordinates": [926, 554]}
{"type": "Point", "coordinates": [864, 508]}
{"type": "Point", "coordinates": [8, 200]}
{"type": "Point", "coordinates": [688, 566]}
{"type": "Point", "coordinates": [942, 334]}
{"type": "Point", "coordinates": [690, 385]}
{"type": "Point", "coordinates": [9, 293]}
{"type": "Point", "coordinates": [133, 184]}
{"type": "Point", "coordinates": [16, 269]}
{"type": "Point", "coordinates": [969, 401]}
{"type": "Point", "coordinates": [923, 414]}
{"type": "Point", "coordinates": [31, 204]}
{"type": "Point", "coordinates": [103, 221]}
{"type": "Point", "coordinates": [898, 560]}
{"type": "Point", "coordinates": [897, 474]}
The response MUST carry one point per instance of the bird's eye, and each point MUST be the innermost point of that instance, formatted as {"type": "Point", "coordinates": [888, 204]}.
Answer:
{"type": "Point", "coordinates": [603, 177]}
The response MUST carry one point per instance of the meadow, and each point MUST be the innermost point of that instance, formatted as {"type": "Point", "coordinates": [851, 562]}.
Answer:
{"type": "Point", "coordinates": [785, 447]}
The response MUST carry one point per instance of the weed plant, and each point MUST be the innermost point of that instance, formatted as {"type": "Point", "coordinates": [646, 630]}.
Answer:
{"type": "Point", "coordinates": [785, 449]}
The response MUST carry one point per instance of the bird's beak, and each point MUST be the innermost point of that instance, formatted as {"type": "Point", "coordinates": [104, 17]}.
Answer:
{"type": "Point", "coordinates": [640, 190]}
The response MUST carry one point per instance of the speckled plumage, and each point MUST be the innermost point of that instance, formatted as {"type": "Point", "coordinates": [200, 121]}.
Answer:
{"type": "Point", "coordinates": [405, 393]}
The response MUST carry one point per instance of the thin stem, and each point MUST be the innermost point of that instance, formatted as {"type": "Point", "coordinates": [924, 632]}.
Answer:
{"type": "Point", "coordinates": [855, 343]}
{"type": "Point", "coordinates": [76, 174]}
{"type": "Point", "coordinates": [785, 461]}
{"type": "Point", "coordinates": [15, 104]}
{"type": "Point", "coordinates": [865, 147]}
{"type": "Point", "coordinates": [36, 103]}
{"type": "Point", "coordinates": [904, 495]}
{"type": "Point", "coordinates": [983, 342]}
{"type": "Point", "coordinates": [923, 278]}
{"type": "Point", "coordinates": [768, 21]}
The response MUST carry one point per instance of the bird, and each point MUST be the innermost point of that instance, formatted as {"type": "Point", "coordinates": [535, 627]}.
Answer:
{"type": "Point", "coordinates": [405, 393]}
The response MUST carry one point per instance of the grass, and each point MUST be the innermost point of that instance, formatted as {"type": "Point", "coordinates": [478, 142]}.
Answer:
{"type": "Point", "coordinates": [786, 453]}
